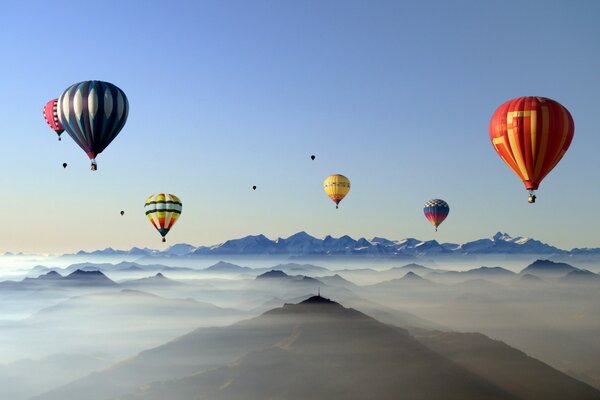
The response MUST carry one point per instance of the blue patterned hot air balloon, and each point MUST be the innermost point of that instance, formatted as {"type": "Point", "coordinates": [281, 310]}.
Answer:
{"type": "Point", "coordinates": [436, 211]}
{"type": "Point", "coordinates": [93, 113]}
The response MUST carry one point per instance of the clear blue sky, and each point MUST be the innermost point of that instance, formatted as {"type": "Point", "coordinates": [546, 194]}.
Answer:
{"type": "Point", "coordinates": [229, 94]}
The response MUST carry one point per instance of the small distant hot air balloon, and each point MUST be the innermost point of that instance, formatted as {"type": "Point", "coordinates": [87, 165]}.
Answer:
{"type": "Point", "coordinates": [122, 213]}
{"type": "Point", "coordinates": [253, 187]}
{"type": "Point", "coordinates": [93, 113]}
{"type": "Point", "coordinates": [312, 157]}
{"type": "Point", "coordinates": [436, 211]}
{"type": "Point", "coordinates": [531, 135]}
{"type": "Point", "coordinates": [64, 165]}
{"type": "Point", "coordinates": [51, 116]}
{"type": "Point", "coordinates": [337, 187]}
{"type": "Point", "coordinates": [163, 210]}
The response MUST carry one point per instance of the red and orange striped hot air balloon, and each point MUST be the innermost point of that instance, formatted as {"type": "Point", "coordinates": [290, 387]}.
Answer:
{"type": "Point", "coordinates": [531, 135]}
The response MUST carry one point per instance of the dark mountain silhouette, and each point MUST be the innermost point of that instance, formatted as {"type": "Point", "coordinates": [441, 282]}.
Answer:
{"type": "Point", "coordinates": [273, 274]}
{"type": "Point", "coordinates": [548, 268]}
{"type": "Point", "coordinates": [318, 349]}
{"type": "Point", "coordinates": [88, 278]}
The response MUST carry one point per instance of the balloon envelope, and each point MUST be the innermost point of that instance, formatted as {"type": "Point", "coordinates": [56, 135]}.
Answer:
{"type": "Point", "coordinates": [51, 116]}
{"type": "Point", "coordinates": [337, 187]}
{"type": "Point", "coordinates": [531, 135]}
{"type": "Point", "coordinates": [436, 211]}
{"type": "Point", "coordinates": [93, 113]}
{"type": "Point", "coordinates": [163, 210]}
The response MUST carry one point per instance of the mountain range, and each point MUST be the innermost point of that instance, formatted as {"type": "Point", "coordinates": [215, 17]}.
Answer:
{"type": "Point", "coordinates": [302, 244]}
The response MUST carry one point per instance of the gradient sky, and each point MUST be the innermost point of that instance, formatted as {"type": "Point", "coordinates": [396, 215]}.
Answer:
{"type": "Point", "coordinates": [229, 94]}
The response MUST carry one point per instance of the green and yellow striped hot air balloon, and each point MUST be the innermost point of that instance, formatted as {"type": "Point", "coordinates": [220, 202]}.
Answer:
{"type": "Point", "coordinates": [163, 210]}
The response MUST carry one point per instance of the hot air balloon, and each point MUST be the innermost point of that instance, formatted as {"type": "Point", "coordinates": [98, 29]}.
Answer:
{"type": "Point", "coordinates": [93, 113]}
{"type": "Point", "coordinates": [531, 135]}
{"type": "Point", "coordinates": [51, 116]}
{"type": "Point", "coordinates": [162, 210]}
{"type": "Point", "coordinates": [337, 187]}
{"type": "Point", "coordinates": [122, 213]}
{"type": "Point", "coordinates": [436, 211]}
{"type": "Point", "coordinates": [253, 187]}
{"type": "Point", "coordinates": [64, 165]}
{"type": "Point", "coordinates": [312, 157]}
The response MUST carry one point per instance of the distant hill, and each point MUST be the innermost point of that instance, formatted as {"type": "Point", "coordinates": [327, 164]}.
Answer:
{"type": "Point", "coordinates": [280, 275]}
{"type": "Point", "coordinates": [530, 278]}
{"type": "Point", "coordinates": [581, 276]}
{"type": "Point", "coordinates": [410, 279]}
{"type": "Point", "coordinates": [53, 280]}
{"type": "Point", "coordinates": [337, 280]}
{"type": "Point", "coordinates": [226, 267]}
{"type": "Point", "coordinates": [548, 268]}
{"type": "Point", "coordinates": [319, 349]}
{"type": "Point", "coordinates": [412, 267]}
{"type": "Point", "coordinates": [294, 268]}
{"type": "Point", "coordinates": [157, 280]}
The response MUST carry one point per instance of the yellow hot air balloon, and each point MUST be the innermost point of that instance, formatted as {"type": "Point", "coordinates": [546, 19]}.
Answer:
{"type": "Point", "coordinates": [337, 187]}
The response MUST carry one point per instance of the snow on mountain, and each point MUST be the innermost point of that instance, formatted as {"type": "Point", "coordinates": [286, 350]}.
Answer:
{"type": "Point", "coordinates": [502, 243]}
{"type": "Point", "coordinates": [302, 244]}
{"type": "Point", "coordinates": [181, 249]}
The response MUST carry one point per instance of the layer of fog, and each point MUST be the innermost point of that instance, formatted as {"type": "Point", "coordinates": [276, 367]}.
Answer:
{"type": "Point", "coordinates": [554, 321]}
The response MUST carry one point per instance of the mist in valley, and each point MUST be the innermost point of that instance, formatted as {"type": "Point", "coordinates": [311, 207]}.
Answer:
{"type": "Point", "coordinates": [67, 328]}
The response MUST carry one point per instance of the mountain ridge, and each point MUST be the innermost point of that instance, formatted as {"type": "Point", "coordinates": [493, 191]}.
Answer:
{"type": "Point", "coordinates": [302, 244]}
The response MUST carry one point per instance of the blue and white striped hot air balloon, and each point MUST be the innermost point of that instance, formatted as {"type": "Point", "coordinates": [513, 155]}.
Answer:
{"type": "Point", "coordinates": [93, 113]}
